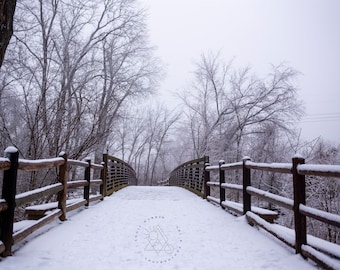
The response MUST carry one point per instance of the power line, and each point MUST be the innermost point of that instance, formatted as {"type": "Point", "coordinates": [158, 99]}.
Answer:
{"type": "Point", "coordinates": [321, 117]}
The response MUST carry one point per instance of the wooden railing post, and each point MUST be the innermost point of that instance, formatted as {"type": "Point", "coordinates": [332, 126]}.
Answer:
{"type": "Point", "coordinates": [179, 178]}
{"type": "Point", "coordinates": [87, 177]}
{"type": "Point", "coordinates": [246, 183]}
{"type": "Point", "coordinates": [104, 175]}
{"type": "Point", "coordinates": [299, 198]}
{"type": "Point", "coordinates": [206, 177]}
{"type": "Point", "coordinates": [8, 194]}
{"type": "Point", "coordinates": [197, 178]}
{"type": "Point", "coordinates": [222, 181]}
{"type": "Point", "coordinates": [62, 195]}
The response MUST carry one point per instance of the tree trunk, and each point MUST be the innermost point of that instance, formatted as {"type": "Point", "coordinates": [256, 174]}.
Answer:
{"type": "Point", "coordinates": [7, 8]}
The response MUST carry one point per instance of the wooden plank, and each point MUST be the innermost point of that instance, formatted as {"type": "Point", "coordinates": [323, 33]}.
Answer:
{"type": "Point", "coordinates": [232, 166]}
{"type": "Point", "coordinates": [95, 198]}
{"type": "Point", "coordinates": [276, 199]}
{"type": "Point", "coordinates": [36, 194]}
{"type": "Point", "coordinates": [213, 199]}
{"type": "Point", "coordinates": [97, 166]}
{"type": "Point", "coordinates": [79, 163]}
{"type": "Point", "coordinates": [77, 184]}
{"type": "Point", "coordinates": [253, 219]}
{"type": "Point", "coordinates": [35, 165]}
{"type": "Point", "coordinates": [319, 170]}
{"type": "Point", "coordinates": [212, 168]}
{"type": "Point", "coordinates": [266, 214]}
{"type": "Point", "coordinates": [324, 246]}
{"type": "Point", "coordinates": [84, 164]}
{"type": "Point", "coordinates": [213, 184]}
{"type": "Point", "coordinates": [321, 259]}
{"type": "Point", "coordinates": [232, 186]}
{"type": "Point", "coordinates": [73, 206]}
{"type": "Point", "coordinates": [323, 216]}
{"type": "Point", "coordinates": [38, 211]}
{"type": "Point", "coordinates": [3, 206]}
{"type": "Point", "coordinates": [96, 182]}
{"type": "Point", "coordinates": [4, 164]}
{"type": "Point", "coordinates": [270, 167]}
{"type": "Point", "coordinates": [20, 235]}
{"type": "Point", "coordinates": [233, 207]}
{"type": "Point", "coordinates": [36, 214]}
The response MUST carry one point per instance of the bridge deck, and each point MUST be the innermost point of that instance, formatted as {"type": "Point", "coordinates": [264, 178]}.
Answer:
{"type": "Point", "coordinates": [153, 228]}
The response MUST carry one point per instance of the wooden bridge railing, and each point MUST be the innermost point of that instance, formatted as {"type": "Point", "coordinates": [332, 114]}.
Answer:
{"type": "Point", "coordinates": [321, 251]}
{"type": "Point", "coordinates": [190, 175]}
{"type": "Point", "coordinates": [114, 174]}
{"type": "Point", "coordinates": [119, 174]}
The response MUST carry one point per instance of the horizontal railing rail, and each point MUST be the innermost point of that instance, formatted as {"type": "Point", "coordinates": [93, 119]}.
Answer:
{"type": "Point", "coordinates": [263, 217]}
{"type": "Point", "coordinates": [120, 173]}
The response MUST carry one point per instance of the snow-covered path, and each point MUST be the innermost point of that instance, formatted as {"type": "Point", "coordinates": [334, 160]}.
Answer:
{"type": "Point", "coordinates": [153, 228]}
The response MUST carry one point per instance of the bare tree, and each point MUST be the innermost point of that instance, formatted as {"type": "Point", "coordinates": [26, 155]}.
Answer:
{"type": "Point", "coordinates": [225, 107]}
{"type": "Point", "coordinates": [205, 100]}
{"type": "Point", "coordinates": [7, 9]}
{"type": "Point", "coordinates": [144, 140]}
{"type": "Point", "coordinates": [73, 67]}
{"type": "Point", "coordinates": [75, 63]}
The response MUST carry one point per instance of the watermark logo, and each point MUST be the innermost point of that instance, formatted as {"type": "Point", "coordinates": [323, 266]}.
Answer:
{"type": "Point", "coordinates": [159, 240]}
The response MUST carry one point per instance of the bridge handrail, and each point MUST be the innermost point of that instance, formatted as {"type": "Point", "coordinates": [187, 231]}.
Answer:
{"type": "Point", "coordinates": [190, 175]}
{"type": "Point", "coordinates": [119, 174]}
{"type": "Point", "coordinates": [48, 212]}
{"type": "Point", "coordinates": [298, 170]}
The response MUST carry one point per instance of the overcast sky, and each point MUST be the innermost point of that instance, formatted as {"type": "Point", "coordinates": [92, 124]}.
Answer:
{"type": "Point", "coordinates": [305, 34]}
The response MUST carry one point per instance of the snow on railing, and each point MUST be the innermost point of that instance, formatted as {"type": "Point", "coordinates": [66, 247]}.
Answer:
{"type": "Point", "coordinates": [184, 176]}
{"type": "Point", "coordinates": [11, 164]}
{"type": "Point", "coordinates": [319, 170]}
{"type": "Point", "coordinates": [271, 167]}
{"type": "Point", "coordinates": [35, 165]}
{"type": "Point", "coordinates": [231, 166]}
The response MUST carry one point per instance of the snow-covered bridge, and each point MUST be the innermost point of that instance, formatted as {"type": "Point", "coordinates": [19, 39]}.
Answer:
{"type": "Point", "coordinates": [165, 227]}
{"type": "Point", "coordinates": [153, 228]}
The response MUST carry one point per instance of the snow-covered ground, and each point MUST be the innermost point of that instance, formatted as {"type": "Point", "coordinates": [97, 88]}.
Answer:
{"type": "Point", "coordinates": [153, 228]}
